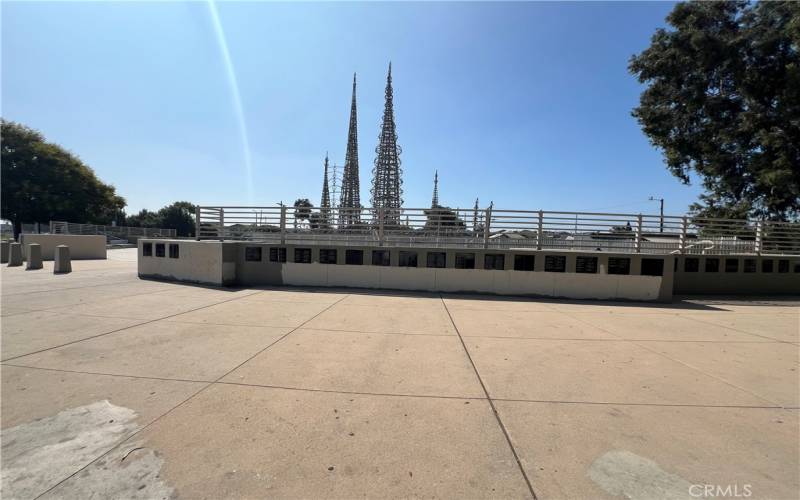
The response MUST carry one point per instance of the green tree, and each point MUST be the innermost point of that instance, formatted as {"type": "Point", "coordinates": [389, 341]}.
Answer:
{"type": "Point", "coordinates": [179, 216]}
{"type": "Point", "coordinates": [302, 210]}
{"type": "Point", "coordinates": [723, 102]}
{"type": "Point", "coordinates": [42, 181]}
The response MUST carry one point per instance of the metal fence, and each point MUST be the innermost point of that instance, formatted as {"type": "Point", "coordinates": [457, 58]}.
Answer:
{"type": "Point", "coordinates": [494, 228]}
{"type": "Point", "coordinates": [119, 232]}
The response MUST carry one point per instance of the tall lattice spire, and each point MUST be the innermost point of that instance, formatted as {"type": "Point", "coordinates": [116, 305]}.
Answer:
{"type": "Point", "coordinates": [386, 175]}
{"type": "Point", "coordinates": [435, 200]}
{"type": "Point", "coordinates": [325, 201]}
{"type": "Point", "coordinates": [475, 217]}
{"type": "Point", "coordinates": [350, 198]}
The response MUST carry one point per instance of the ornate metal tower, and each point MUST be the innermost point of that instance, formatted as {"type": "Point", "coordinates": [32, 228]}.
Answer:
{"type": "Point", "coordinates": [386, 175]}
{"type": "Point", "coordinates": [435, 200]}
{"type": "Point", "coordinates": [350, 200]}
{"type": "Point", "coordinates": [325, 201]}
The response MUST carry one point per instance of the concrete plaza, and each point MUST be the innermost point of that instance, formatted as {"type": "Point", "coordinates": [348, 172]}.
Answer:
{"type": "Point", "coordinates": [118, 387]}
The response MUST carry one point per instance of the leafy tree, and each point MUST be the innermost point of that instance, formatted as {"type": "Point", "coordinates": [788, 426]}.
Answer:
{"type": "Point", "coordinates": [302, 210]}
{"type": "Point", "coordinates": [723, 101]}
{"type": "Point", "coordinates": [178, 216]}
{"type": "Point", "coordinates": [42, 181]}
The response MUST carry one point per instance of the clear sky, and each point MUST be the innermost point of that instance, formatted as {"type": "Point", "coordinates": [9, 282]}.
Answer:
{"type": "Point", "coordinates": [525, 104]}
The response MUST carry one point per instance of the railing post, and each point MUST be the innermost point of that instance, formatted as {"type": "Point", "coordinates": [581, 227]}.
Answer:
{"type": "Point", "coordinates": [196, 223]}
{"type": "Point", "coordinates": [684, 230]}
{"type": "Point", "coordinates": [759, 237]}
{"type": "Point", "coordinates": [638, 240]}
{"type": "Point", "coordinates": [283, 224]}
{"type": "Point", "coordinates": [487, 228]}
{"type": "Point", "coordinates": [540, 231]}
{"type": "Point", "coordinates": [221, 231]}
{"type": "Point", "coordinates": [381, 213]}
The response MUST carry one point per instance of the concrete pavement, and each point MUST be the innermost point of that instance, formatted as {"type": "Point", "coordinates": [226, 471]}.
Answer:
{"type": "Point", "coordinates": [118, 387]}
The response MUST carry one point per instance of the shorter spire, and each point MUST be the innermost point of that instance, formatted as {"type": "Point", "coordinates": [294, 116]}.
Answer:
{"type": "Point", "coordinates": [435, 200]}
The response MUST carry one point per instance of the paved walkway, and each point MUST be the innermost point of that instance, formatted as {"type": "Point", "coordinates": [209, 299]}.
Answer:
{"type": "Point", "coordinates": [116, 386]}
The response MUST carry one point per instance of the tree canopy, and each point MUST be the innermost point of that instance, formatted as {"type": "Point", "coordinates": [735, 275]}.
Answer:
{"type": "Point", "coordinates": [42, 181]}
{"type": "Point", "coordinates": [723, 102]}
{"type": "Point", "coordinates": [178, 216]}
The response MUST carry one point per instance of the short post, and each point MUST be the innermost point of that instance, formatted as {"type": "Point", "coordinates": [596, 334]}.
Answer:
{"type": "Point", "coordinates": [15, 254]}
{"type": "Point", "coordinates": [759, 237]}
{"type": "Point", "coordinates": [684, 230]}
{"type": "Point", "coordinates": [221, 231]}
{"type": "Point", "coordinates": [62, 263]}
{"type": "Point", "coordinates": [381, 214]}
{"type": "Point", "coordinates": [540, 231]}
{"type": "Point", "coordinates": [196, 223]}
{"type": "Point", "coordinates": [4, 251]}
{"type": "Point", "coordinates": [283, 224]}
{"type": "Point", "coordinates": [34, 256]}
{"type": "Point", "coordinates": [487, 228]}
{"type": "Point", "coordinates": [638, 240]}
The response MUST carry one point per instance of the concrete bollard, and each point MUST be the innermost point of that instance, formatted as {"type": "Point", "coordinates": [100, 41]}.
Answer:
{"type": "Point", "coordinates": [62, 263]}
{"type": "Point", "coordinates": [4, 251]}
{"type": "Point", "coordinates": [34, 256]}
{"type": "Point", "coordinates": [14, 255]}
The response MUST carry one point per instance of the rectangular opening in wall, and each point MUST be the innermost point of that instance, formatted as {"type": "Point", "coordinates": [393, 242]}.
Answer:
{"type": "Point", "coordinates": [619, 265]}
{"type": "Point", "coordinates": [465, 261]}
{"type": "Point", "coordinates": [354, 257]}
{"type": "Point", "coordinates": [652, 267]}
{"type": "Point", "coordinates": [327, 256]}
{"type": "Point", "coordinates": [147, 249]}
{"type": "Point", "coordinates": [783, 266]}
{"type": "Point", "coordinates": [380, 257]}
{"type": "Point", "coordinates": [766, 265]}
{"type": "Point", "coordinates": [555, 263]}
{"type": "Point", "coordinates": [524, 262]}
{"type": "Point", "coordinates": [252, 254]}
{"type": "Point", "coordinates": [749, 265]}
{"type": "Point", "coordinates": [302, 255]}
{"type": "Point", "coordinates": [691, 265]}
{"type": "Point", "coordinates": [174, 251]}
{"type": "Point", "coordinates": [408, 259]}
{"type": "Point", "coordinates": [277, 254]}
{"type": "Point", "coordinates": [712, 265]}
{"type": "Point", "coordinates": [160, 250]}
{"type": "Point", "coordinates": [495, 261]}
{"type": "Point", "coordinates": [797, 267]}
{"type": "Point", "coordinates": [731, 265]}
{"type": "Point", "coordinates": [437, 259]}
{"type": "Point", "coordinates": [586, 264]}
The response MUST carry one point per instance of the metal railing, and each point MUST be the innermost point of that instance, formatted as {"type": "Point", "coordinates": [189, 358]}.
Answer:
{"type": "Point", "coordinates": [120, 232]}
{"type": "Point", "coordinates": [495, 228]}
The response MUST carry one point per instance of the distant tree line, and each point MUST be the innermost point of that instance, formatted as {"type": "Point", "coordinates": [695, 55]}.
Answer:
{"type": "Point", "coordinates": [42, 181]}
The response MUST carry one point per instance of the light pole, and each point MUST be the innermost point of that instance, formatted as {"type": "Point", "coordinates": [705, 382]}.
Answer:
{"type": "Point", "coordinates": [661, 220]}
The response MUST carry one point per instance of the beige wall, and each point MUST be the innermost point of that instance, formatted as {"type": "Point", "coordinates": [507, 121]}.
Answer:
{"type": "Point", "coordinates": [208, 262]}
{"type": "Point", "coordinates": [449, 279]}
{"type": "Point", "coordinates": [80, 246]}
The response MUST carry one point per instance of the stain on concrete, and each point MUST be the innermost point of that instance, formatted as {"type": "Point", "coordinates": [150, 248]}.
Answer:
{"type": "Point", "coordinates": [131, 472]}
{"type": "Point", "coordinates": [39, 454]}
{"type": "Point", "coordinates": [626, 474]}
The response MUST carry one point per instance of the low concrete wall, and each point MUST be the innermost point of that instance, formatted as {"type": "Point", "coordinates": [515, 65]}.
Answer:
{"type": "Point", "coordinates": [80, 246]}
{"type": "Point", "coordinates": [207, 262]}
{"type": "Point", "coordinates": [749, 278]}
{"type": "Point", "coordinates": [221, 263]}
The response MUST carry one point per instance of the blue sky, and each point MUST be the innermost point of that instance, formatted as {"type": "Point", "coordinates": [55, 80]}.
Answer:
{"type": "Point", "coordinates": [525, 104]}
